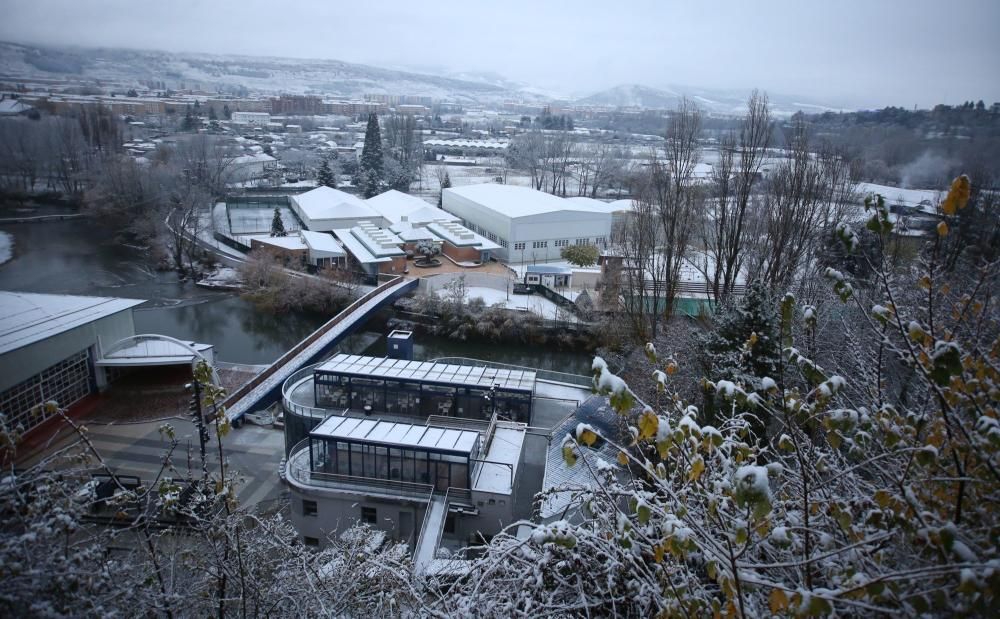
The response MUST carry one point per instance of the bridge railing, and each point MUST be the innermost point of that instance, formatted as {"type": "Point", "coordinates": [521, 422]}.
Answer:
{"type": "Point", "coordinates": [256, 381]}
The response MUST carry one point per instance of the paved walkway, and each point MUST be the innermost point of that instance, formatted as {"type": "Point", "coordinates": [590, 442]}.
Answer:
{"type": "Point", "coordinates": [137, 448]}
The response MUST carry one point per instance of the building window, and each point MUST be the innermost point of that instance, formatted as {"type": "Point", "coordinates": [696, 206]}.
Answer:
{"type": "Point", "coordinates": [449, 524]}
{"type": "Point", "coordinates": [518, 245]}
{"type": "Point", "coordinates": [539, 244]}
{"type": "Point", "coordinates": [369, 515]}
{"type": "Point", "coordinates": [583, 241]}
{"type": "Point", "coordinates": [562, 243]}
{"type": "Point", "coordinates": [309, 508]}
{"type": "Point", "coordinates": [312, 542]}
{"type": "Point", "coordinates": [601, 240]}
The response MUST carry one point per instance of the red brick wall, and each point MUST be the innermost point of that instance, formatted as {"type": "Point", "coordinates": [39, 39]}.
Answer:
{"type": "Point", "coordinates": [461, 254]}
{"type": "Point", "coordinates": [397, 266]}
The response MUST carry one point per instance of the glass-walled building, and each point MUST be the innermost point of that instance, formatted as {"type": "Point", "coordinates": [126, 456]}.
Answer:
{"type": "Point", "coordinates": [383, 450]}
{"type": "Point", "coordinates": [422, 388]}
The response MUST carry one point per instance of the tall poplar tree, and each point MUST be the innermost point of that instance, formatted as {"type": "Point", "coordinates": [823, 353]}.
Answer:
{"type": "Point", "coordinates": [371, 171]}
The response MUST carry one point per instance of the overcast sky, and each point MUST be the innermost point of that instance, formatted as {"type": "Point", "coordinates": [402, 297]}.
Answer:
{"type": "Point", "coordinates": [843, 52]}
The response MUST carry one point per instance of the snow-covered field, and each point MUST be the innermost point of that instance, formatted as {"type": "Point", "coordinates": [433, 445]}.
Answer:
{"type": "Point", "coordinates": [926, 199]}
{"type": "Point", "coordinates": [6, 246]}
{"type": "Point", "coordinates": [528, 302]}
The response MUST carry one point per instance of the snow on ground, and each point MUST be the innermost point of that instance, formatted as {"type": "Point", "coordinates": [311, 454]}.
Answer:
{"type": "Point", "coordinates": [528, 302]}
{"type": "Point", "coordinates": [907, 197]}
{"type": "Point", "coordinates": [521, 268]}
{"type": "Point", "coordinates": [6, 246]}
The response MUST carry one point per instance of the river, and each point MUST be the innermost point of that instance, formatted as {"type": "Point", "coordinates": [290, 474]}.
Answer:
{"type": "Point", "coordinates": [78, 257]}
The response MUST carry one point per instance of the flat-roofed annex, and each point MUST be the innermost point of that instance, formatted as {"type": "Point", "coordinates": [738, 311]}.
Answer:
{"type": "Point", "coordinates": [429, 372]}
{"type": "Point", "coordinates": [393, 434]}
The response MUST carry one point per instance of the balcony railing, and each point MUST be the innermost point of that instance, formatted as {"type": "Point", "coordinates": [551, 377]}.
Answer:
{"type": "Point", "coordinates": [289, 402]}
{"type": "Point", "coordinates": [298, 469]}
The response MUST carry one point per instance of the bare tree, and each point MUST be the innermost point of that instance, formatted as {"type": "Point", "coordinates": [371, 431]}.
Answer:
{"type": "Point", "coordinates": [725, 234]}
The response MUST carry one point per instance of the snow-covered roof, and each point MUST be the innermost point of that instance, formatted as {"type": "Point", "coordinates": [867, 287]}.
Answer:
{"type": "Point", "coordinates": [462, 143]}
{"type": "Point", "coordinates": [368, 243]}
{"type": "Point", "coordinates": [322, 242]}
{"type": "Point", "coordinates": [26, 318]}
{"type": "Point", "coordinates": [460, 236]}
{"type": "Point", "coordinates": [397, 206]}
{"type": "Point", "coordinates": [291, 241]}
{"type": "Point", "coordinates": [600, 205]}
{"type": "Point", "coordinates": [516, 201]}
{"type": "Point", "coordinates": [498, 472]}
{"type": "Point", "coordinates": [397, 434]}
{"type": "Point", "coordinates": [255, 158]}
{"type": "Point", "coordinates": [147, 350]}
{"type": "Point", "coordinates": [329, 203]}
{"type": "Point", "coordinates": [562, 481]}
{"type": "Point", "coordinates": [429, 371]}
{"type": "Point", "coordinates": [410, 233]}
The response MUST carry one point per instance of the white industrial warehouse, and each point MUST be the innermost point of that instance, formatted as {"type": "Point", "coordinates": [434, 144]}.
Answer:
{"type": "Point", "coordinates": [528, 225]}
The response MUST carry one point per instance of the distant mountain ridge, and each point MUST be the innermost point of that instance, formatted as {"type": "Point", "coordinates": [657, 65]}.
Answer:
{"type": "Point", "coordinates": [221, 72]}
{"type": "Point", "coordinates": [338, 79]}
{"type": "Point", "coordinates": [720, 101]}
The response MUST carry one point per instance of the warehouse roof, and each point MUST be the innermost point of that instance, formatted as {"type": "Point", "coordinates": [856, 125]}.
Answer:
{"type": "Point", "coordinates": [515, 201]}
{"type": "Point", "coordinates": [26, 318]}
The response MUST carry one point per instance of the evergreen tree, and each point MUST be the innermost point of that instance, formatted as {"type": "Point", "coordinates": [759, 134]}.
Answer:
{"type": "Point", "coordinates": [371, 170]}
{"type": "Point", "coordinates": [277, 225]}
{"type": "Point", "coordinates": [744, 342]}
{"type": "Point", "coordinates": [445, 184]}
{"type": "Point", "coordinates": [324, 176]}
{"type": "Point", "coordinates": [226, 111]}
{"type": "Point", "coordinates": [189, 121]}
{"type": "Point", "coordinates": [211, 113]}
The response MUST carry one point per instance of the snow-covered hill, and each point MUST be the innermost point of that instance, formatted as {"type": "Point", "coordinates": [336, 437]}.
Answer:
{"type": "Point", "coordinates": [215, 72]}
{"type": "Point", "coordinates": [718, 101]}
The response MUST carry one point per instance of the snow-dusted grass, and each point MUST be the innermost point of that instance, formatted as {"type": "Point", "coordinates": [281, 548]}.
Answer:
{"type": "Point", "coordinates": [531, 303]}
{"type": "Point", "coordinates": [6, 246]}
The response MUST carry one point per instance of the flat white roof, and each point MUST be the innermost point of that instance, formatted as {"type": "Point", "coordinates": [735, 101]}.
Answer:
{"type": "Point", "coordinates": [322, 242]}
{"type": "Point", "coordinates": [289, 241]}
{"type": "Point", "coordinates": [329, 203]}
{"type": "Point", "coordinates": [498, 472]}
{"type": "Point", "coordinates": [515, 201]}
{"type": "Point", "coordinates": [396, 205]}
{"type": "Point", "coordinates": [26, 318]}
{"type": "Point", "coordinates": [353, 244]}
{"type": "Point", "coordinates": [602, 206]}
{"type": "Point", "coordinates": [429, 371]}
{"type": "Point", "coordinates": [395, 434]}
{"type": "Point", "coordinates": [408, 232]}
{"type": "Point", "coordinates": [460, 236]}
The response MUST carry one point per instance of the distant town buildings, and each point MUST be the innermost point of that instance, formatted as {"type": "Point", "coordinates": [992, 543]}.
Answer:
{"type": "Point", "coordinates": [259, 119]}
